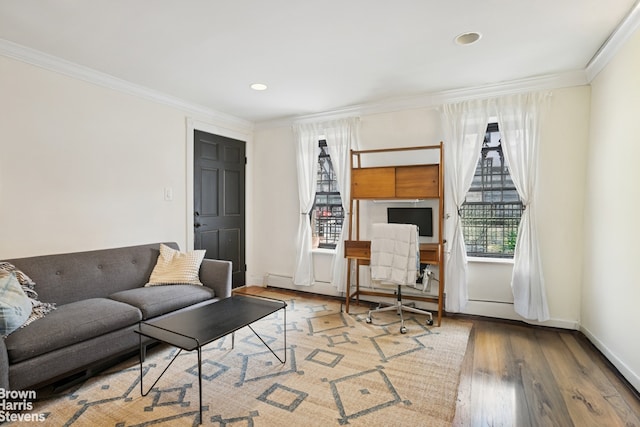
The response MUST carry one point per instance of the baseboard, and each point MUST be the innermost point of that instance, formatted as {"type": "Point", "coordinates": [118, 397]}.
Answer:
{"type": "Point", "coordinates": [286, 282]}
{"type": "Point", "coordinates": [632, 377]}
{"type": "Point", "coordinates": [505, 310]}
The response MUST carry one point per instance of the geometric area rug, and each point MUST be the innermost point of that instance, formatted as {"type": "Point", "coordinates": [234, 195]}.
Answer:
{"type": "Point", "coordinates": [339, 371]}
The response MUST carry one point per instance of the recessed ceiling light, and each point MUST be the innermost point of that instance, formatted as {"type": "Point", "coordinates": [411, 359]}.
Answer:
{"type": "Point", "coordinates": [467, 38]}
{"type": "Point", "coordinates": [258, 86]}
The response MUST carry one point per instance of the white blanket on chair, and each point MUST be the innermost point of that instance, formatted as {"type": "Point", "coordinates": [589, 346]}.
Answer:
{"type": "Point", "coordinates": [395, 253]}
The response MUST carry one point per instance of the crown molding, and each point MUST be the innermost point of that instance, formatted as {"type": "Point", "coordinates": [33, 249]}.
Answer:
{"type": "Point", "coordinates": [436, 99]}
{"type": "Point", "coordinates": [628, 26]}
{"type": "Point", "coordinates": [58, 65]}
{"type": "Point", "coordinates": [428, 100]}
{"type": "Point", "coordinates": [616, 40]}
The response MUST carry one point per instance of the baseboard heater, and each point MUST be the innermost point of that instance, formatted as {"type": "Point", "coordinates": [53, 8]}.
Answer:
{"type": "Point", "coordinates": [286, 282]}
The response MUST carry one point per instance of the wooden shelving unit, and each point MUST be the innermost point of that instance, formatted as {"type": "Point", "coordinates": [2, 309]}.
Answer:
{"type": "Point", "coordinates": [400, 182]}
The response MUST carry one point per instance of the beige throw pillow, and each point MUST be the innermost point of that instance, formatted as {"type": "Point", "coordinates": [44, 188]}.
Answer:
{"type": "Point", "coordinates": [177, 268]}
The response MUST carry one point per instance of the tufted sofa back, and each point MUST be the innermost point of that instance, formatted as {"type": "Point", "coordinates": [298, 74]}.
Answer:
{"type": "Point", "coordinates": [65, 278]}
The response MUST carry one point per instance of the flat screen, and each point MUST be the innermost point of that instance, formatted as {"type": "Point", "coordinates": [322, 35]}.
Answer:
{"type": "Point", "coordinates": [422, 217]}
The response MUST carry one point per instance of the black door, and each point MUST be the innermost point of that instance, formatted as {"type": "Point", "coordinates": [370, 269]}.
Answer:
{"type": "Point", "coordinates": [218, 199]}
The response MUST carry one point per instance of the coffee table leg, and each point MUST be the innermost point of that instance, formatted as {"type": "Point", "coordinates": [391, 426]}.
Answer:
{"type": "Point", "coordinates": [141, 361]}
{"type": "Point", "coordinates": [284, 327]}
{"type": "Point", "coordinates": [142, 392]}
{"type": "Point", "coordinates": [200, 380]}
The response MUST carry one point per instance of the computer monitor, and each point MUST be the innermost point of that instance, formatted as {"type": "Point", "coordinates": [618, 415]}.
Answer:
{"type": "Point", "coordinates": [422, 217]}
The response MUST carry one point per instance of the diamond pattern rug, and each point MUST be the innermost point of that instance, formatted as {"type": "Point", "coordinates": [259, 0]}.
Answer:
{"type": "Point", "coordinates": [339, 371]}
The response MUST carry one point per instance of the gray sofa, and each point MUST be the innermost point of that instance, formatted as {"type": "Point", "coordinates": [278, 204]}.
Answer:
{"type": "Point", "coordinates": [100, 298]}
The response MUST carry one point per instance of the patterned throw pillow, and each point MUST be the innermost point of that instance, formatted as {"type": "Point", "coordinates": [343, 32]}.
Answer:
{"type": "Point", "coordinates": [177, 268]}
{"type": "Point", "coordinates": [15, 306]}
{"type": "Point", "coordinates": [28, 285]}
{"type": "Point", "coordinates": [39, 309]}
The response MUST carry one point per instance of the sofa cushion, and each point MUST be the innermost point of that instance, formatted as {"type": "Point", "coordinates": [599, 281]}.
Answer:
{"type": "Point", "coordinates": [15, 305]}
{"type": "Point", "coordinates": [69, 324]}
{"type": "Point", "coordinates": [156, 300]}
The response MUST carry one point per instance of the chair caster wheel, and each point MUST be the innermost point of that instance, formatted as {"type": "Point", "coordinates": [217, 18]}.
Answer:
{"type": "Point", "coordinates": [403, 330]}
{"type": "Point", "coordinates": [430, 322]}
{"type": "Point", "coordinates": [367, 320]}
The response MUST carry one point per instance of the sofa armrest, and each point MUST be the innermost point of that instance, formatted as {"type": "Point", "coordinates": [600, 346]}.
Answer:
{"type": "Point", "coordinates": [216, 274]}
{"type": "Point", "coordinates": [4, 365]}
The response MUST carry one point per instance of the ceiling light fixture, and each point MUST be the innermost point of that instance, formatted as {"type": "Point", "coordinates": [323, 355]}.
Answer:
{"type": "Point", "coordinates": [258, 86]}
{"type": "Point", "coordinates": [465, 39]}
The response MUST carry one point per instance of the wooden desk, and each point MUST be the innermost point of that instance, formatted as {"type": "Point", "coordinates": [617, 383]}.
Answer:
{"type": "Point", "coordinates": [360, 250]}
{"type": "Point", "coordinates": [403, 182]}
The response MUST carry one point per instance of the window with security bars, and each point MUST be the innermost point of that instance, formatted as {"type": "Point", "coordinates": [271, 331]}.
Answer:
{"type": "Point", "coordinates": [327, 214]}
{"type": "Point", "coordinates": [492, 209]}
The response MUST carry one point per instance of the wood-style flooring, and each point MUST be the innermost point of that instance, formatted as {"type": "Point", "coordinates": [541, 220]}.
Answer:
{"type": "Point", "coordinates": [519, 375]}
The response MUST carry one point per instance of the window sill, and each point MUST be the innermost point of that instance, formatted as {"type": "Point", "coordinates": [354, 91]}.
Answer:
{"type": "Point", "coordinates": [486, 260]}
{"type": "Point", "coordinates": [323, 251]}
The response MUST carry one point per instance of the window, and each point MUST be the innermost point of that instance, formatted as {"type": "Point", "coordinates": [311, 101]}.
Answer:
{"type": "Point", "coordinates": [327, 213]}
{"type": "Point", "coordinates": [492, 209]}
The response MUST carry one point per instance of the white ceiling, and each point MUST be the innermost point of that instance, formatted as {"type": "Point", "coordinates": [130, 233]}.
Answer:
{"type": "Point", "coordinates": [314, 56]}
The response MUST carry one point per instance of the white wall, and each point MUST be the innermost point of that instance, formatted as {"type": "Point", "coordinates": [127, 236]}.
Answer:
{"type": "Point", "coordinates": [275, 204]}
{"type": "Point", "coordinates": [562, 166]}
{"type": "Point", "coordinates": [85, 167]}
{"type": "Point", "coordinates": [611, 291]}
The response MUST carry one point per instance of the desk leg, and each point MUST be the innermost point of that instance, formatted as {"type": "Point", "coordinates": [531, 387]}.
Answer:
{"type": "Point", "coordinates": [357, 282]}
{"type": "Point", "coordinates": [348, 290]}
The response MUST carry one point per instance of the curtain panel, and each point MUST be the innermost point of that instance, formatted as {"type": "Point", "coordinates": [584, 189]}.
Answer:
{"type": "Point", "coordinates": [307, 151]}
{"type": "Point", "coordinates": [519, 118]}
{"type": "Point", "coordinates": [464, 126]}
{"type": "Point", "coordinates": [341, 136]}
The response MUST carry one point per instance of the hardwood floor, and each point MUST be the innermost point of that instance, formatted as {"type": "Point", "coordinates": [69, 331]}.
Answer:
{"type": "Point", "coordinates": [519, 375]}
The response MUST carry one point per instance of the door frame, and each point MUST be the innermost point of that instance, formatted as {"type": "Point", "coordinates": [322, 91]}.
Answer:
{"type": "Point", "coordinates": [240, 134]}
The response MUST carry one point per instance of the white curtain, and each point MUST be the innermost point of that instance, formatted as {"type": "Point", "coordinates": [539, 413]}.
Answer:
{"type": "Point", "coordinates": [464, 127]}
{"type": "Point", "coordinates": [342, 136]}
{"type": "Point", "coordinates": [307, 151]}
{"type": "Point", "coordinates": [519, 118]}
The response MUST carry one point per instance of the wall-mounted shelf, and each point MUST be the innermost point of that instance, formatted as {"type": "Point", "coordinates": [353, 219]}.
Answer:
{"type": "Point", "coordinates": [395, 184]}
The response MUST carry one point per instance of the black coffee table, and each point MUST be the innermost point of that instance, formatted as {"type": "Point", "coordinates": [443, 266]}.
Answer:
{"type": "Point", "coordinates": [192, 329]}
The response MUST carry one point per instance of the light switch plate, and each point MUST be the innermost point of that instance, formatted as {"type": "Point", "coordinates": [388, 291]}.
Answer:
{"type": "Point", "coordinates": [168, 194]}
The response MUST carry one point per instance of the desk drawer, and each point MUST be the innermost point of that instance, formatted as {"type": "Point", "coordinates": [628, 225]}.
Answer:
{"type": "Point", "coordinates": [429, 254]}
{"type": "Point", "coordinates": [358, 249]}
